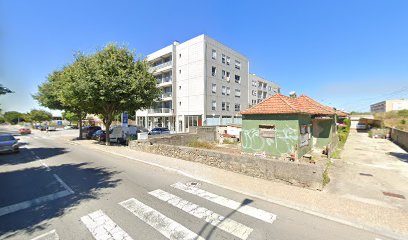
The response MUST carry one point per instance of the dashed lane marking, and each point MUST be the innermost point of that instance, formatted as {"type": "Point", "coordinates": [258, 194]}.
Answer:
{"type": "Point", "coordinates": [51, 235]}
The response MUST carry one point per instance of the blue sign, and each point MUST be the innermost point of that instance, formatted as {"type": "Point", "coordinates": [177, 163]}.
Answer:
{"type": "Point", "coordinates": [59, 123]}
{"type": "Point", "coordinates": [125, 119]}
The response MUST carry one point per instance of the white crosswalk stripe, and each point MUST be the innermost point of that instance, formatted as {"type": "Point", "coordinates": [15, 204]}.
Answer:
{"type": "Point", "coordinates": [248, 210]}
{"type": "Point", "coordinates": [103, 228]}
{"type": "Point", "coordinates": [226, 224]}
{"type": "Point", "coordinates": [166, 226]}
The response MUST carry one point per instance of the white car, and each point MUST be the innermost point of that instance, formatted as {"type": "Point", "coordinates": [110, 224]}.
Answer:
{"type": "Point", "coordinates": [361, 126]}
{"type": "Point", "coordinates": [50, 128]}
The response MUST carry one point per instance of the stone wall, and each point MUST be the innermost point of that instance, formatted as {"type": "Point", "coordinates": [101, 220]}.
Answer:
{"type": "Point", "coordinates": [206, 134]}
{"type": "Point", "coordinates": [296, 173]}
{"type": "Point", "coordinates": [399, 137]}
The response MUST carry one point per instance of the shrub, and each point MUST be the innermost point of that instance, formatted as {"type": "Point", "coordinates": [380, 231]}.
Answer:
{"type": "Point", "coordinates": [403, 121]}
{"type": "Point", "coordinates": [200, 144]}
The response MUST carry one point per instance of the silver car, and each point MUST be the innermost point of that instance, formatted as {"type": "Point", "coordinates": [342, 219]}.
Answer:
{"type": "Point", "coordinates": [8, 143]}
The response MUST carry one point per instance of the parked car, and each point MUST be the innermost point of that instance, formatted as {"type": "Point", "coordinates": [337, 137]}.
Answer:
{"type": "Point", "coordinates": [159, 130]}
{"type": "Point", "coordinates": [8, 143]}
{"type": "Point", "coordinates": [42, 128]}
{"type": "Point", "coordinates": [23, 131]}
{"type": "Point", "coordinates": [51, 128]}
{"type": "Point", "coordinates": [121, 134]}
{"type": "Point", "coordinates": [88, 131]}
{"type": "Point", "coordinates": [68, 127]}
{"type": "Point", "coordinates": [98, 135]}
{"type": "Point", "coordinates": [361, 126]}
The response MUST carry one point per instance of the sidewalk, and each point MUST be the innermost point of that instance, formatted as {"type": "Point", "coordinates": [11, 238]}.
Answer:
{"type": "Point", "coordinates": [379, 219]}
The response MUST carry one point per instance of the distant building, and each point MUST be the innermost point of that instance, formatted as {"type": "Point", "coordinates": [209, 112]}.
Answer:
{"type": "Point", "coordinates": [260, 89]}
{"type": "Point", "coordinates": [389, 105]}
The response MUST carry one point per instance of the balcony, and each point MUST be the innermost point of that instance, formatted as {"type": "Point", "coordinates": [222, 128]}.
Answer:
{"type": "Point", "coordinates": [167, 96]}
{"type": "Point", "coordinates": [160, 110]}
{"type": "Point", "coordinates": [166, 81]}
{"type": "Point", "coordinates": [161, 66]}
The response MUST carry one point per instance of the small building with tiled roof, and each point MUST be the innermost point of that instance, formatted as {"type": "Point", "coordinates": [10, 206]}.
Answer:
{"type": "Point", "coordinates": [291, 126]}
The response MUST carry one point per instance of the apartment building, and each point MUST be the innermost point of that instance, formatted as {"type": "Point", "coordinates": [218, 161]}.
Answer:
{"type": "Point", "coordinates": [260, 89]}
{"type": "Point", "coordinates": [389, 105]}
{"type": "Point", "coordinates": [203, 82]}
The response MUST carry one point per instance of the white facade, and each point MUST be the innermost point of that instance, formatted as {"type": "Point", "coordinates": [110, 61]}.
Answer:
{"type": "Point", "coordinates": [389, 105]}
{"type": "Point", "coordinates": [204, 83]}
{"type": "Point", "coordinates": [260, 89]}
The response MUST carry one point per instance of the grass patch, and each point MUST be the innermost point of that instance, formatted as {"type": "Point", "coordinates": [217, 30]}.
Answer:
{"type": "Point", "coordinates": [227, 141]}
{"type": "Point", "coordinates": [200, 144]}
{"type": "Point", "coordinates": [326, 178]}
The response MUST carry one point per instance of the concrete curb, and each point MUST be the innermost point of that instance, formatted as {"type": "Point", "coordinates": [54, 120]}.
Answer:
{"type": "Point", "coordinates": [374, 229]}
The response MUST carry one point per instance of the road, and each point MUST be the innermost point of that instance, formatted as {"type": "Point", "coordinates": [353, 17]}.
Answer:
{"type": "Point", "coordinates": [56, 189]}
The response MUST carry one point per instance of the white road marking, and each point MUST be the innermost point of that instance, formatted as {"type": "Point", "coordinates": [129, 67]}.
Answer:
{"type": "Point", "coordinates": [63, 184]}
{"type": "Point", "coordinates": [45, 165]}
{"type": "Point", "coordinates": [226, 224]}
{"type": "Point", "coordinates": [37, 201]}
{"type": "Point", "coordinates": [51, 235]}
{"type": "Point", "coordinates": [166, 226]}
{"type": "Point", "coordinates": [103, 228]}
{"type": "Point", "coordinates": [248, 210]}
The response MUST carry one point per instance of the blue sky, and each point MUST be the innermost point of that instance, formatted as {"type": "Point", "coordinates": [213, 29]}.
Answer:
{"type": "Point", "coordinates": [347, 54]}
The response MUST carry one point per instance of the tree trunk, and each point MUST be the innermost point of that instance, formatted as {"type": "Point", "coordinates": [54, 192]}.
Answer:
{"type": "Point", "coordinates": [107, 121]}
{"type": "Point", "coordinates": [80, 125]}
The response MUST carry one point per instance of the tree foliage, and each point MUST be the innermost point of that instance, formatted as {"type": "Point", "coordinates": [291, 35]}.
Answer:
{"type": "Point", "coordinates": [105, 83]}
{"type": "Point", "coordinates": [4, 90]}
{"type": "Point", "coordinates": [38, 116]}
{"type": "Point", "coordinates": [13, 117]}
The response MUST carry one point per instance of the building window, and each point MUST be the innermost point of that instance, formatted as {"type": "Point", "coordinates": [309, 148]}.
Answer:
{"type": "Point", "coordinates": [237, 79]}
{"type": "Point", "coordinates": [180, 87]}
{"type": "Point", "coordinates": [269, 88]}
{"type": "Point", "coordinates": [228, 60]}
{"type": "Point", "coordinates": [214, 71]}
{"type": "Point", "coordinates": [223, 58]}
{"type": "Point", "coordinates": [237, 107]}
{"type": "Point", "coordinates": [223, 106]}
{"type": "Point", "coordinates": [228, 76]}
{"type": "Point", "coordinates": [179, 103]}
{"type": "Point", "coordinates": [214, 54]}
{"type": "Point", "coordinates": [213, 105]}
{"type": "Point", "coordinates": [227, 106]}
{"type": "Point", "coordinates": [237, 64]}
{"type": "Point", "coordinates": [179, 71]}
{"type": "Point", "coordinates": [224, 90]}
{"type": "Point", "coordinates": [253, 92]}
{"type": "Point", "coordinates": [253, 102]}
{"type": "Point", "coordinates": [224, 74]}
{"type": "Point", "coordinates": [237, 93]}
{"type": "Point", "coordinates": [228, 91]}
{"type": "Point", "coordinates": [214, 88]}
{"type": "Point", "coordinates": [180, 55]}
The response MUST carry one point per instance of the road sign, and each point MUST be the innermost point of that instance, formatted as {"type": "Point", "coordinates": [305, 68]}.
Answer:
{"type": "Point", "coordinates": [59, 123]}
{"type": "Point", "coordinates": [125, 119]}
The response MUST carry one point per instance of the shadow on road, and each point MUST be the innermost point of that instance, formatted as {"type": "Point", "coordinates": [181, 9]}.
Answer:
{"type": "Point", "coordinates": [208, 225]}
{"type": "Point", "coordinates": [401, 156]}
{"type": "Point", "coordinates": [25, 155]}
{"type": "Point", "coordinates": [86, 182]}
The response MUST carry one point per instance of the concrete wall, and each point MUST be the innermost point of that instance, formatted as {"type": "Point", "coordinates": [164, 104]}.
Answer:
{"type": "Point", "coordinates": [206, 134]}
{"type": "Point", "coordinates": [301, 174]}
{"type": "Point", "coordinates": [287, 138]}
{"type": "Point", "coordinates": [400, 137]}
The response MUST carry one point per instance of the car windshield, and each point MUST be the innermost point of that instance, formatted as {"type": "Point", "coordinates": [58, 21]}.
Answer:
{"type": "Point", "coordinates": [6, 138]}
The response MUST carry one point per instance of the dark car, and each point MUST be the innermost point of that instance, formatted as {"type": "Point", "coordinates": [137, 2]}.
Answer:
{"type": "Point", "coordinates": [8, 143]}
{"type": "Point", "coordinates": [88, 131]}
{"type": "Point", "coordinates": [99, 135]}
{"type": "Point", "coordinates": [159, 130]}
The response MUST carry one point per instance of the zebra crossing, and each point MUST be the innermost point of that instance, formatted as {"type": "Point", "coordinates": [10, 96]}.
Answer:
{"type": "Point", "coordinates": [101, 227]}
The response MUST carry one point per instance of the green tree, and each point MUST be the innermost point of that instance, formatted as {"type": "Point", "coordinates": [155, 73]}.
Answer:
{"type": "Point", "coordinates": [72, 117]}
{"type": "Point", "coordinates": [39, 116]}
{"type": "Point", "coordinates": [13, 117]}
{"type": "Point", "coordinates": [121, 83]}
{"type": "Point", "coordinates": [4, 90]}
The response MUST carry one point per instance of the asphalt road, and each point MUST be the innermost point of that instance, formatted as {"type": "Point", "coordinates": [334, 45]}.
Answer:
{"type": "Point", "coordinates": [56, 190]}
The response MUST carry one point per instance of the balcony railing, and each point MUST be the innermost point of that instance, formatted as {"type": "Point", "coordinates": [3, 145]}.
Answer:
{"type": "Point", "coordinates": [167, 95]}
{"type": "Point", "coordinates": [161, 65]}
{"type": "Point", "coordinates": [164, 80]}
{"type": "Point", "coordinates": [160, 110]}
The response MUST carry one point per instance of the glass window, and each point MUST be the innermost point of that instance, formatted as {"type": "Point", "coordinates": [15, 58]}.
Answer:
{"type": "Point", "coordinates": [223, 58]}
{"type": "Point", "coordinates": [224, 74]}
{"type": "Point", "coordinates": [214, 88]}
{"type": "Point", "coordinates": [237, 107]}
{"type": "Point", "coordinates": [214, 54]}
{"type": "Point", "coordinates": [228, 106]}
{"type": "Point", "coordinates": [237, 64]}
{"type": "Point", "coordinates": [213, 71]}
{"type": "Point", "coordinates": [223, 106]}
{"type": "Point", "coordinates": [228, 76]}
{"type": "Point", "coordinates": [228, 60]}
{"type": "Point", "coordinates": [237, 79]}
{"type": "Point", "coordinates": [237, 93]}
{"type": "Point", "coordinates": [213, 105]}
{"type": "Point", "coordinates": [224, 90]}
{"type": "Point", "coordinates": [228, 91]}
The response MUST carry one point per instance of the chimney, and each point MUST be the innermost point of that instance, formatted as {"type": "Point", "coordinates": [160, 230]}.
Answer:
{"type": "Point", "coordinates": [292, 94]}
